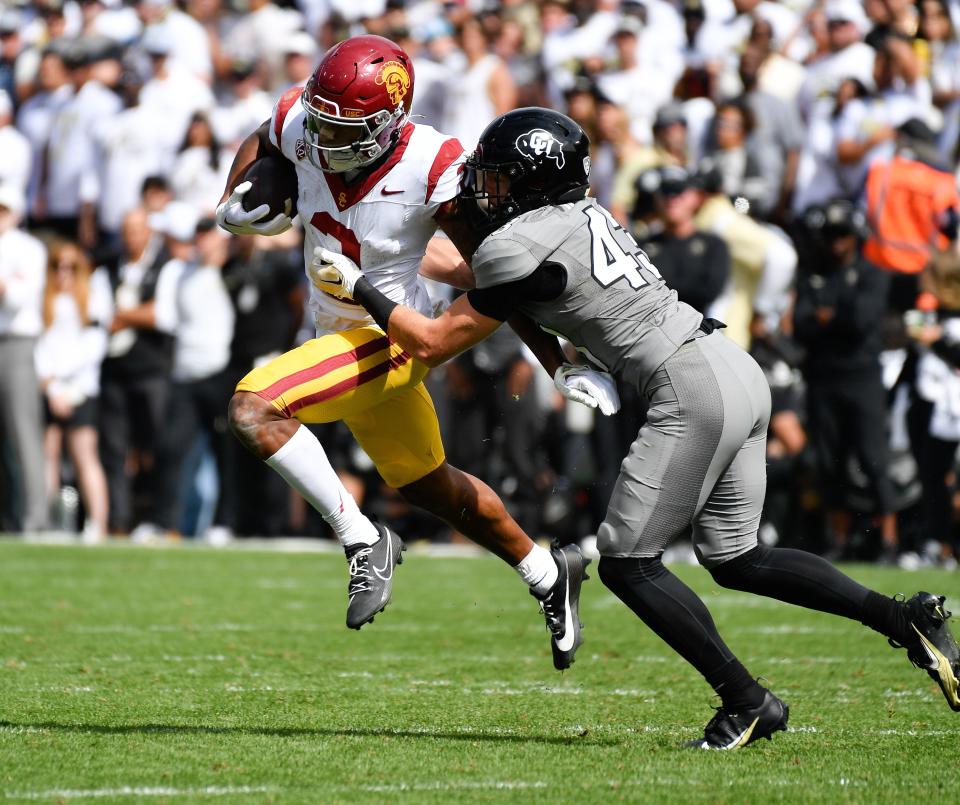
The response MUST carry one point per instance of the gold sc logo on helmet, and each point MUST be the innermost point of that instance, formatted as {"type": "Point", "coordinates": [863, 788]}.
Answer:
{"type": "Point", "coordinates": [396, 79]}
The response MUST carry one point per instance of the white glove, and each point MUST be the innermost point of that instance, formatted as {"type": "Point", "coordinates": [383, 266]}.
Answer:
{"type": "Point", "coordinates": [588, 386]}
{"type": "Point", "coordinates": [234, 218]}
{"type": "Point", "coordinates": [335, 274]}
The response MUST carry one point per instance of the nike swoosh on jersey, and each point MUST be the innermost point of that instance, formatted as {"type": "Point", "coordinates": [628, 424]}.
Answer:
{"type": "Point", "coordinates": [566, 642]}
{"type": "Point", "coordinates": [386, 571]}
{"type": "Point", "coordinates": [385, 192]}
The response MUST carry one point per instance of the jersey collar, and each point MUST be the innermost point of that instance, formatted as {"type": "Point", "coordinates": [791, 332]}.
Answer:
{"type": "Point", "coordinates": [346, 195]}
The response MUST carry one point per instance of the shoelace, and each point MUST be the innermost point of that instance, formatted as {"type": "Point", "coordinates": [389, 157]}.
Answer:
{"type": "Point", "coordinates": [554, 620]}
{"type": "Point", "coordinates": [359, 569]}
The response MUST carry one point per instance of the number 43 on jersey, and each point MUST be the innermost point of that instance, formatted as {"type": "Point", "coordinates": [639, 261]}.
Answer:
{"type": "Point", "coordinates": [609, 259]}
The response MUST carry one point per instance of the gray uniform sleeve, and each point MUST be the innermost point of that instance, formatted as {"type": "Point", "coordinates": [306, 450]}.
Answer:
{"type": "Point", "coordinates": [500, 260]}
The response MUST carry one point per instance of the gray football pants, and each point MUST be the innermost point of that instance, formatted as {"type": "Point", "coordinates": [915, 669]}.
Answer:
{"type": "Point", "coordinates": [21, 436]}
{"type": "Point", "coordinates": [699, 461]}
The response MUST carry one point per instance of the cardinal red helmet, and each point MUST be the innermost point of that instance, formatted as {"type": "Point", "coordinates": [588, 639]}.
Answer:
{"type": "Point", "coordinates": [356, 102]}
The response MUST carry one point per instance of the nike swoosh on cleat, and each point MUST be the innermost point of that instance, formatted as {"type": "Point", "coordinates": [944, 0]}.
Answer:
{"type": "Point", "coordinates": [566, 642]}
{"type": "Point", "coordinates": [744, 736]}
{"type": "Point", "coordinates": [932, 652]}
{"type": "Point", "coordinates": [941, 665]}
{"type": "Point", "coordinates": [388, 566]}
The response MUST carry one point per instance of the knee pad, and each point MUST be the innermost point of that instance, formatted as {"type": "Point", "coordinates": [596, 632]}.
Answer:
{"type": "Point", "coordinates": [731, 572]}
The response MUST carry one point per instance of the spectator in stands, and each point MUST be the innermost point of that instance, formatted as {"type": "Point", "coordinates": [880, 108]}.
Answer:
{"type": "Point", "coordinates": [131, 145]}
{"type": "Point", "coordinates": [913, 209]}
{"type": "Point", "coordinates": [135, 382]}
{"type": "Point", "coordinates": [16, 156]}
{"type": "Point", "coordinates": [849, 57]}
{"type": "Point", "coordinates": [935, 39]}
{"type": "Point", "coordinates": [245, 107]}
{"type": "Point", "coordinates": [759, 256]}
{"type": "Point", "coordinates": [260, 34]}
{"type": "Point", "coordinates": [197, 310]}
{"type": "Point", "coordinates": [934, 417]}
{"type": "Point", "coordinates": [480, 90]}
{"type": "Point", "coordinates": [266, 285]}
{"type": "Point", "coordinates": [840, 300]}
{"type": "Point", "coordinates": [76, 311]}
{"type": "Point", "coordinates": [670, 147]}
{"type": "Point", "coordinates": [23, 498]}
{"type": "Point", "coordinates": [70, 187]}
{"type": "Point", "coordinates": [866, 127]}
{"type": "Point", "coordinates": [740, 159]}
{"type": "Point", "coordinates": [189, 45]}
{"type": "Point", "coordinates": [613, 147]}
{"type": "Point", "coordinates": [695, 264]}
{"type": "Point", "coordinates": [777, 132]}
{"type": "Point", "coordinates": [637, 87]}
{"type": "Point", "coordinates": [10, 47]}
{"type": "Point", "coordinates": [201, 167]}
{"type": "Point", "coordinates": [300, 56]}
{"type": "Point", "coordinates": [172, 91]}
{"type": "Point", "coordinates": [35, 118]}
{"type": "Point", "coordinates": [155, 193]}
{"type": "Point", "coordinates": [48, 31]}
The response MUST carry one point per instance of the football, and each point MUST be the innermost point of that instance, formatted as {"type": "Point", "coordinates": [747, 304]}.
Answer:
{"type": "Point", "coordinates": [274, 183]}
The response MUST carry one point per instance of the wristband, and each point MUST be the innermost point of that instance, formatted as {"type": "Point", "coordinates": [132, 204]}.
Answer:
{"type": "Point", "coordinates": [376, 304]}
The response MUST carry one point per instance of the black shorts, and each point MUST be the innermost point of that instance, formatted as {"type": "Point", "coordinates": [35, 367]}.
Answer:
{"type": "Point", "coordinates": [83, 415]}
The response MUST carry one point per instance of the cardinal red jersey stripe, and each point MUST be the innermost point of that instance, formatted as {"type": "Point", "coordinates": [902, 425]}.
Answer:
{"type": "Point", "coordinates": [287, 100]}
{"type": "Point", "coordinates": [449, 153]}
{"type": "Point", "coordinates": [347, 385]}
{"type": "Point", "coordinates": [326, 365]}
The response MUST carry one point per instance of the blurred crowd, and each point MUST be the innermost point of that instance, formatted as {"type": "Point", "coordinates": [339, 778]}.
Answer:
{"type": "Point", "coordinates": [790, 167]}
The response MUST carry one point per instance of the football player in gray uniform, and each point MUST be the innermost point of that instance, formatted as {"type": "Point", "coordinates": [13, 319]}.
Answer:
{"type": "Point", "coordinates": [698, 463]}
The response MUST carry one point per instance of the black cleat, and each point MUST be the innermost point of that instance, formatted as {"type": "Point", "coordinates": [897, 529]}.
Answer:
{"type": "Point", "coordinates": [931, 646]}
{"type": "Point", "coordinates": [371, 576]}
{"type": "Point", "coordinates": [561, 606]}
{"type": "Point", "coordinates": [730, 729]}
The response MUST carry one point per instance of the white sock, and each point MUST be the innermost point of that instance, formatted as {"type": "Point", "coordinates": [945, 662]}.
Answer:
{"type": "Point", "coordinates": [539, 570]}
{"type": "Point", "coordinates": [303, 463]}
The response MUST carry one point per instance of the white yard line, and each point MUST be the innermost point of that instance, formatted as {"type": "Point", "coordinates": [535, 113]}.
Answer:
{"type": "Point", "coordinates": [141, 791]}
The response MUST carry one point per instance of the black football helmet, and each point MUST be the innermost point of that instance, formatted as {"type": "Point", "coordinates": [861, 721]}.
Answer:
{"type": "Point", "coordinates": [525, 159]}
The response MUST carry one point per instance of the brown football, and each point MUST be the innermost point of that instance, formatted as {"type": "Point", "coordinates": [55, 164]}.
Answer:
{"type": "Point", "coordinates": [274, 182]}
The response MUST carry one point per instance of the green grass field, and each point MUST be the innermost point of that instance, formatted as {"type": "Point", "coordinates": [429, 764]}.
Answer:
{"type": "Point", "coordinates": [188, 675]}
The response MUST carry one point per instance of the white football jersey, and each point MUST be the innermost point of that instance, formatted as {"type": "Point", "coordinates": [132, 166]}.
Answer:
{"type": "Point", "coordinates": [382, 222]}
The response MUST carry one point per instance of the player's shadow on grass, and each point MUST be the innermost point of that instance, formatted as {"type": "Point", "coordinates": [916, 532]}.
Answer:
{"type": "Point", "coordinates": [297, 732]}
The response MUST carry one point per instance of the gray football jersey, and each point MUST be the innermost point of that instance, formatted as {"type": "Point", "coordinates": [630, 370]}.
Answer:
{"type": "Point", "coordinates": [616, 309]}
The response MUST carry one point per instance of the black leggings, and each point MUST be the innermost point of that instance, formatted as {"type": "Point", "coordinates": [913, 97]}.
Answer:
{"type": "Point", "coordinates": [675, 613]}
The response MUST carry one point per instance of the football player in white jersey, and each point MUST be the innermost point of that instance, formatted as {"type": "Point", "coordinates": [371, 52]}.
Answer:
{"type": "Point", "coordinates": [375, 187]}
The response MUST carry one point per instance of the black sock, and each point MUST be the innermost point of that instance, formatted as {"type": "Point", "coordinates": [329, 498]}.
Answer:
{"type": "Point", "coordinates": [885, 615]}
{"type": "Point", "coordinates": [675, 613]}
{"type": "Point", "coordinates": [735, 687]}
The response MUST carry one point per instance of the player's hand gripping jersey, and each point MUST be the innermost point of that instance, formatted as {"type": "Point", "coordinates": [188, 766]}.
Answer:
{"type": "Point", "coordinates": [382, 221]}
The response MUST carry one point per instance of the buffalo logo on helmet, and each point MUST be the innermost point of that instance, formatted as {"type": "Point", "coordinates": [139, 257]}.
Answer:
{"type": "Point", "coordinates": [396, 79]}
{"type": "Point", "coordinates": [539, 142]}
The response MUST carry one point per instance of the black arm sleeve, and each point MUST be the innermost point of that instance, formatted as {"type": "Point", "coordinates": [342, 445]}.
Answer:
{"type": "Point", "coordinates": [500, 301]}
{"type": "Point", "coordinates": [376, 304]}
